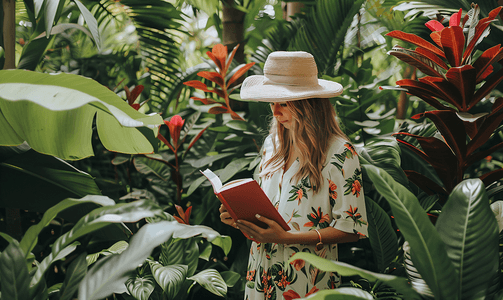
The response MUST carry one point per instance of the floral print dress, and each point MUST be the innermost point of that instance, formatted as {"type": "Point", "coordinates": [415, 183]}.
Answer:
{"type": "Point", "coordinates": [339, 203]}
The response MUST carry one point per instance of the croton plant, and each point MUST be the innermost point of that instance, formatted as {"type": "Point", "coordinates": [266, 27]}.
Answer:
{"type": "Point", "coordinates": [455, 82]}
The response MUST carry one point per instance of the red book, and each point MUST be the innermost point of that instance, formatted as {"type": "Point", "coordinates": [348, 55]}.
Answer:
{"type": "Point", "coordinates": [243, 199]}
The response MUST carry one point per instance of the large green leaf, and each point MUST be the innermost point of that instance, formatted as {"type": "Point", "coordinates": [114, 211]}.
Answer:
{"type": "Point", "coordinates": [400, 284]}
{"type": "Point", "coordinates": [470, 232]}
{"type": "Point", "coordinates": [211, 280]}
{"type": "Point", "coordinates": [74, 275]}
{"type": "Point", "coordinates": [170, 278]}
{"type": "Point", "coordinates": [54, 114]}
{"type": "Point", "coordinates": [382, 236]}
{"type": "Point", "coordinates": [30, 238]}
{"type": "Point", "coordinates": [95, 220]}
{"type": "Point", "coordinates": [343, 293]}
{"type": "Point", "coordinates": [427, 249]}
{"type": "Point", "coordinates": [141, 287]}
{"type": "Point", "coordinates": [184, 251]}
{"type": "Point", "coordinates": [49, 179]}
{"type": "Point", "coordinates": [14, 273]}
{"type": "Point", "coordinates": [109, 275]}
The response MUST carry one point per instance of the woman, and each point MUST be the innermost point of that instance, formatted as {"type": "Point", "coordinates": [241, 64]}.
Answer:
{"type": "Point", "coordinates": [310, 172]}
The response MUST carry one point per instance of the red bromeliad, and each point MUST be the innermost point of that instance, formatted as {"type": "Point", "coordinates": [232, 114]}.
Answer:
{"type": "Point", "coordinates": [453, 76]}
{"type": "Point", "coordinates": [222, 61]}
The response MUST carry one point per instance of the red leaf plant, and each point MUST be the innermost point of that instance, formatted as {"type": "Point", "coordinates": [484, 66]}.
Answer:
{"type": "Point", "coordinates": [132, 95]}
{"type": "Point", "coordinates": [184, 216]}
{"type": "Point", "coordinates": [175, 125]}
{"type": "Point", "coordinates": [222, 60]}
{"type": "Point", "coordinates": [454, 83]}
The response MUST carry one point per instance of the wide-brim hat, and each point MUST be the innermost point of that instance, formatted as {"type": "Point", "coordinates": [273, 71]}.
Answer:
{"type": "Point", "coordinates": [288, 76]}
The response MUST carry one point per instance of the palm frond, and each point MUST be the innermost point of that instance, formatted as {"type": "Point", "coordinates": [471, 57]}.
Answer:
{"type": "Point", "coordinates": [321, 31]}
{"type": "Point", "coordinates": [157, 23]}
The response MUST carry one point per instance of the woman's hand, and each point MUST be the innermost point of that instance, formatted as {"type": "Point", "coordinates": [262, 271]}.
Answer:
{"type": "Point", "coordinates": [273, 234]}
{"type": "Point", "coordinates": [225, 216]}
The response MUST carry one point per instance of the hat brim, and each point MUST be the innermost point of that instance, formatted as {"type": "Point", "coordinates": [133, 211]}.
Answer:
{"type": "Point", "coordinates": [256, 88]}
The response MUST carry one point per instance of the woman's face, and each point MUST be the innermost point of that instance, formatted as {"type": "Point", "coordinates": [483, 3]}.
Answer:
{"type": "Point", "coordinates": [282, 114]}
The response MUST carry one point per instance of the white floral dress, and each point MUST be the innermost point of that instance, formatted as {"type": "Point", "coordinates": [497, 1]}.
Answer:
{"type": "Point", "coordinates": [339, 203]}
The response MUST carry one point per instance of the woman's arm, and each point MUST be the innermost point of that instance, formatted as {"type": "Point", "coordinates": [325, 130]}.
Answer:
{"type": "Point", "coordinates": [276, 234]}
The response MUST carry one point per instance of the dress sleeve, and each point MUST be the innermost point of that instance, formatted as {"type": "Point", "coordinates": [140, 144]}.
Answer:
{"type": "Point", "coordinates": [346, 192]}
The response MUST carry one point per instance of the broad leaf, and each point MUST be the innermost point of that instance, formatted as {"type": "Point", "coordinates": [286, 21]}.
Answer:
{"type": "Point", "coordinates": [463, 78]}
{"type": "Point", "coordinates": [50, 180]}
{"type": "Point", "coordinates": [170, 278]}
{"type": "Point", "coordinates": [230, 278]}
{"type": "Point", "coordinates": [68, 102]}
{"type": "Point", "coordinates": [141, 287]}
{"type": "Point", "coordinates": [427, 249]}
{"type": "Point", "coordinates": [418, 60]}
{"type": "Point", "coordinates": [224, 242]}
{"type": "Point", "coordinates": [400, 284]}
{"type": "Point", "coordinates": [415, 40]}
{"type": "Point", "coordinates": [470, 232]}
{"type": "Point", "coordinates": [382, 236]}
{"type": "Point", "coordinates": [14, 273]}
{"type": "Point", "coordinates": [344, 293]}
{"type": "Point", "coordinates": [30, 238]}
{"type": "Point", "coordinates": [95, 220]}
{"type": "Point", "coordinates": [109, 275]}
{"type": "Point", "coordinates": [184, 251]}
{"type": "Point", "coordinates": [453, 43]}
{"type": "Point", "coordinates": [74, 275]}
{"type": "Point", "coordinates": [212, 281]}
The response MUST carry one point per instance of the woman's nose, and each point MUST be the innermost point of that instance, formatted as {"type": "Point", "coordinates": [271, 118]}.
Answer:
{"type": "Point", "coordinates": [276, 109]}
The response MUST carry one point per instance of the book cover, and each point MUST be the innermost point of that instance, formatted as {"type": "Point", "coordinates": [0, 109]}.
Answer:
{"type": "Point", "coordinates": [243, 199]}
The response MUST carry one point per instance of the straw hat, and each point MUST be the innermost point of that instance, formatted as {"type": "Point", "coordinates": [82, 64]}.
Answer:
{"type": "Point", "coordinates": [288, 76]}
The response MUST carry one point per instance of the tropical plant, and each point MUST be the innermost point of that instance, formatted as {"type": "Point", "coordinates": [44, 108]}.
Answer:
{"type": "Point", "coordinates": [25, 277]}
{"type": "Point", "coordinates": [444, 254]}
{"type": "Point", "coordinates": [454, 90]}
{"type": "Point", "coordinates": [222, 78]}
{"type": "Point", "coordinates": [33, 104]}
{"type": "Point", "coordinates": [162, 163]}
{"type": "Point", "coordinates": [171, 272]}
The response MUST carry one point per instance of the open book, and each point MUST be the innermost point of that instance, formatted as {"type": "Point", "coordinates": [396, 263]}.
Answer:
{"type": "Point", "coordinates": [243, 199]}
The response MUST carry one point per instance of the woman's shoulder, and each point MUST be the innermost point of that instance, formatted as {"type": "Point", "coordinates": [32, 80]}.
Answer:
{"type": "Point", "coordinates": [268, 145]}
{"type": "Point", "coordinates": [339, 146]}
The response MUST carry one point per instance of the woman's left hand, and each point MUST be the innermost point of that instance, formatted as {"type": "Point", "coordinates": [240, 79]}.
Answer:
{"type": "Point", "coordinates": [273, 234]}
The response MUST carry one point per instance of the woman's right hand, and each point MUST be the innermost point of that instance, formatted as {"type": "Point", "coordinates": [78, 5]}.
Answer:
{"type": "Point", "coordinates": [225, 216]}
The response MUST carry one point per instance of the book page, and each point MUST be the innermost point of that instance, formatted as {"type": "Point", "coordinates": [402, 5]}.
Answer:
{"type": "Point", "coordinates": [214, 180]}
{"type": "Point", "coordinates": [234, 183]}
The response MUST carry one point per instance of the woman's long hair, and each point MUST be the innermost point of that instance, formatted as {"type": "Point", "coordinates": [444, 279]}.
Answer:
{"type": "Point", "coordinates": [314, 127]}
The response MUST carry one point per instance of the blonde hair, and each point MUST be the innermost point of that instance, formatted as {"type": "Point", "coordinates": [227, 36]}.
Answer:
{"type": "Point", "coordinates": [314, 126]}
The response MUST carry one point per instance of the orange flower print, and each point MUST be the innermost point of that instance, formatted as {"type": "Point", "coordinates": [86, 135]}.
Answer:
{"type": "Point", "coordinates": [352, 151]}
{"type": "Point", "coordinates": [332, 190]}
{"type": "Point", "coordinates": [355, 216]}
{"type": "Point", "coordinates": [353, 184]}
{"type": "Point", "coordinates": [250, 275]}
{"type": "Point", "coordinates": [356, 187]}
{"type": "Point", "coordinates": [317, 219]}
{"type": "Point", "coordinates": [298, 192]}
{"type": "Point", "coordinates": [298, 264]}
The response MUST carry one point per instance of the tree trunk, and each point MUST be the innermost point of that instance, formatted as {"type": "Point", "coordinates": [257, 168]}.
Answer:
{"type": "Point", "coordinates": [290, 9]}
{"type": "Point", "coordinates": [9, 33]}
{"type": "Point", "coordinates": [233, 30]}
{"type": "Point", "coordinates": [232, 35]}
